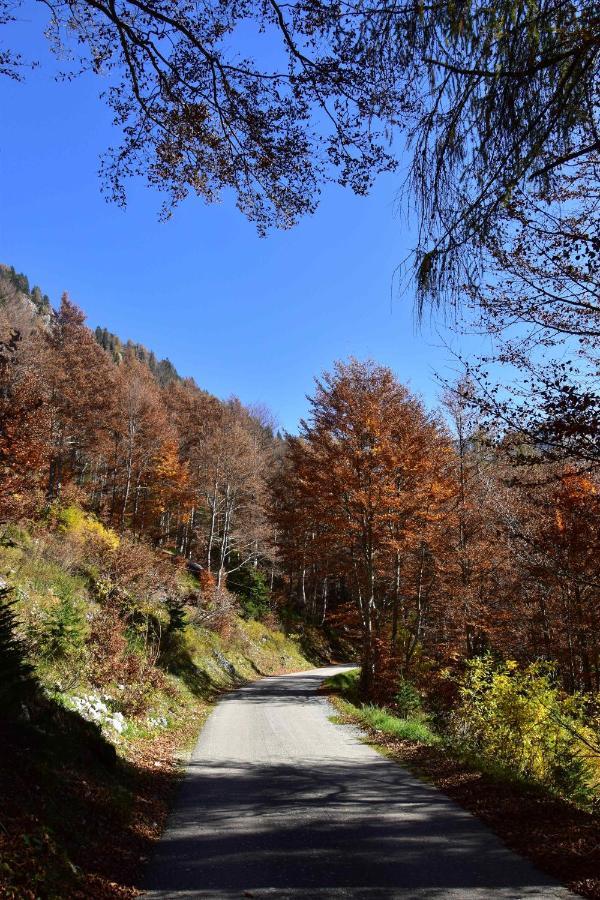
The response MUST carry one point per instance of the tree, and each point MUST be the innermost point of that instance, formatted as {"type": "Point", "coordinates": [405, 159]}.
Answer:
{"type": "Point", "coordinates": [79, 390]}
{"type": "Point", "coordinates": [477, 559]}
{"type": "Point", "coordinates": [370, 472]}
{"type": "Point", "coordinates": [170, 491]}
{"type": "Point", "coordinates": [250, 585]}
{"type": "Point", "coordinates": [491, 97]}
{"type": "Point", "coordinates": [540, 304]}
{"type": "Point", "coordinates": [138, 426]}
{"type": "Point", "coordinates": [554, 536]}
{"type": "Point", "coordinates": [24, 426]}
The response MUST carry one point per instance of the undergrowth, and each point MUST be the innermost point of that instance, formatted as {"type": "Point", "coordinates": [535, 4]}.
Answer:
{"type": "Point", "coordinates": [512, 724]}
{"type": "Point", "coordinates": [113, 653]}
{"type": "Point", "coordinates": [377, 719]}
{"type": "Point", "coordinates": [559, 830]}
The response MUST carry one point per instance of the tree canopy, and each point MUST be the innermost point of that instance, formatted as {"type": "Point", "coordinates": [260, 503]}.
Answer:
{"type": "Point", "coordinates": [273, 100]}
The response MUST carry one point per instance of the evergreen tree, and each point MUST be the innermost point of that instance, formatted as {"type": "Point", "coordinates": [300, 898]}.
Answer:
{"type": "Point", "coordinates": [40, 300]}
{"type": "Point", "coordinates": [252, 590]}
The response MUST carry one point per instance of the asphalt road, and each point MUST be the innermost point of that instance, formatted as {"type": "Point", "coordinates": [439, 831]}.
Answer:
{"type": "Point", "coordinates": [280, 802]}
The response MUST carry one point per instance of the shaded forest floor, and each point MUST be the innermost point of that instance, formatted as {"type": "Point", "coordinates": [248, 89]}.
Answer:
{"type": "Point", "coordinates": [77, 820]}
{"type": "Point", "coordinates": [79, 817]}
{"type": "Point", "coordinates": [557, 836]}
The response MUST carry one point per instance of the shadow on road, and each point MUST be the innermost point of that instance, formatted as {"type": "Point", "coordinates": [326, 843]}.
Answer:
{"type": "Point", "coordinates": [281, 688]}
{"type": "Point", "coordinates": [329, 829]}
{"type": "Point", "coordinates": [278, 802]}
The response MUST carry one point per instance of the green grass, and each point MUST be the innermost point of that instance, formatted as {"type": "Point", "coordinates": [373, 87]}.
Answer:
{"type": "Point", "coordinates": [346, 684]}
{"type": "Point", "coordinates": [383, 722]}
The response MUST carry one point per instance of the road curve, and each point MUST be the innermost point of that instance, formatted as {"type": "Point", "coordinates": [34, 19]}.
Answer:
{"type": "Point", "coordinates": [280, 802]}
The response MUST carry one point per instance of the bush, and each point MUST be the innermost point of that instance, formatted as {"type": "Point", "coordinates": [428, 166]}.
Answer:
{"type": "Point", "coordinates": [215, 608]}
{"type": "Point", "coordinates": [129, 674]}
{"type": "Point", "coordinates": [407, 700]}
{"type": "Point", "coordinates": [14, 536]}
{"type": "Point", "coordinates": [64, 630]}
{"type": "Point", "coordinates": [82, 526]}
{"type": "Point", "coordinates": [252, 590]}
{"type": "Point", "coordinates": [517, 718]}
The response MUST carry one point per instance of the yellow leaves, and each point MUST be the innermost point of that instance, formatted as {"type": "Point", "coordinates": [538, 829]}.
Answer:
{"type": "Point", "coordinates": [83, 526]}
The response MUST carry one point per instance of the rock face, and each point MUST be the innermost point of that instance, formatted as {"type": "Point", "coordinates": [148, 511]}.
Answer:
{"type": "Point", "coordinates": [21, 309]}
{"type": "Point", "coordinates": [97, 709]}
{"type": "Point", "coordinates": [224, 663]}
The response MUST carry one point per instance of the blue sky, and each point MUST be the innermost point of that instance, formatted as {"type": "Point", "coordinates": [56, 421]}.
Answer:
{"type": "Point", "coordinates": [255, 317]}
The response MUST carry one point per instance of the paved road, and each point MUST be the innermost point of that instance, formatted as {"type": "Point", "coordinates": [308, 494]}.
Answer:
{"type": "Point", "coordinates": [279, 802]}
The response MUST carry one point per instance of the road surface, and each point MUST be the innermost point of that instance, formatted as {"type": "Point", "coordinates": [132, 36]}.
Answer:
{"type": "Point", "coordinates": [279, 802]}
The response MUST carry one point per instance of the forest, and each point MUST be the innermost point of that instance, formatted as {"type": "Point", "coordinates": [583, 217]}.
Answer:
{"type": "Point", "coordinates": [454, 559]}
{"type": "Point", "coordinates": [162, 548]}
{"type": "Point", "coordinates": [431, 539]}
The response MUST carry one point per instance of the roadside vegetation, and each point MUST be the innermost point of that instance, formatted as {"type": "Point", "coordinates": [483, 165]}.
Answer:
{"type": "Point", "coordinates": [110, 655]}
{"type": "Point", "coordinates": [158, 545]}
{"type": "Point", "coordinates": [512, 748]}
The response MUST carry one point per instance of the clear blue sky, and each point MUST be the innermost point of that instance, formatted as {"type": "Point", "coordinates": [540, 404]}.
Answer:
{"type": "Point", "coordinates": [255, 317]}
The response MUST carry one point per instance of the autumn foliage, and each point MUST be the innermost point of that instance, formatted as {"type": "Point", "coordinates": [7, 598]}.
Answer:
{"type": "Point", "coordinates": [423, 540]}
{"type": "Point", "coordinates": [428, 544]}
{"type": "Point", "coordinates": [166, 463]}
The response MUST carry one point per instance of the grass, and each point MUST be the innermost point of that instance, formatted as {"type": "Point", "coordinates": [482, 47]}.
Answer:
{"type": "Point", "coordinates": [344, 683]}
{"type": "Point", "coordinates": [559, 837]}
{"type": "Point", "coordinates": [383, 722]}
{"type": "Point", "coordinates": [380, 721]}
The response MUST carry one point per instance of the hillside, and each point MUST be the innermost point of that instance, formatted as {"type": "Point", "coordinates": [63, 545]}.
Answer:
{"type": "Point", "coordinates": [158, 545]}
{"type": "Point", "coordinates": [17, 295]}
{"type": "Point", "coordinates": [116, 632]}
{"type": "Point", "coordinates": [111, 654]}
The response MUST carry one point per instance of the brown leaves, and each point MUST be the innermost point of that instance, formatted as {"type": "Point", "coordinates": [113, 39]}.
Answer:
{"type": "Point", "coordinates": [369, 476]}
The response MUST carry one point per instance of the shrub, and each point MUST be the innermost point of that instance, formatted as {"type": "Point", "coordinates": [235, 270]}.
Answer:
{"type": "Point", "coordinates": [13, 535]}
{"type": "Point", "coordinates": [63, 630]}
{"type": "Point", "coordinates": [107, 647]}
{"type": "Point", "coordinates": [177, 617]}
{"type": "Point", "coordinates": [252, 590]}
{"type": "Point", "coordinates": [215, 607]}
{"type": "Point", "coordinates": [407, 699]}
{"type": "Point", "coordinates": [130, 674]}
{"type": "Point", "coordinates": [83, 526]}
{"type": "Point", "coordinates": [517, 718]}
